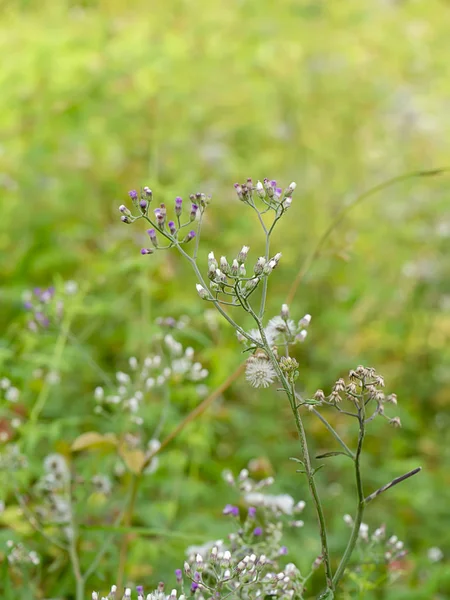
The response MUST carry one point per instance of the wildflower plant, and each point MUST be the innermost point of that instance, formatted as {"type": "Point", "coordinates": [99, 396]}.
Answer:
{"type": "Point", "coordinates": [241, 284]}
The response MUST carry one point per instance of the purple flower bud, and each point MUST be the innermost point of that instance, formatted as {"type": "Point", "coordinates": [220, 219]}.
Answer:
{"type": "Point", "coordinates": [147, 191]}
{"type": "Point", "coordinates": [125, 219]}
{"type": "Point", "coordinates": [178, 205]}
{"type": "Point", "coordinates": [133, 194]}
{"type": "Point", "coordinates": [140, 589]}
{"type": "Point", "coordinates": [251, 512]}
{"type": "Point", "coordinates": [147, 251]}
{"type": "Point", "coordinates": [153, 238]}
{"type": "Point", "coordinates": [179, 575]}
{"type": "Point", "coordinates": [231, 510]}
{"type": "Point", "coordinates": [257, 531]}
{"type": "Point", "coordinates": [143, 205]}
{"type": "Point", "coordinates": [28, 305]}
{"type": "Point", "coordinates": [160, 216]}
{"type": "Point", "coordinates": [172, 227]}
{"type": "Point", "coordinates": [278, 192]}
{"type": "Point", "coordinates": [282, 551]}
{"type": "Point", "coordinates": [197, 576]}
{"type": "Point", "coordinates": [194, 209]}
{"type": "Point", "coordinates": [194, 587]}
{"type": "Point", "coordinates": [123, 209]}
{"type": "Point", "coordinates": [273, 183]}
{"type": "Point", "coordinates": [190, 236]}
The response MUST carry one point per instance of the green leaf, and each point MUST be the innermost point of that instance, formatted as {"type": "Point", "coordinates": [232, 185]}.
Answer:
{"type": "Point", "coordinates": [329, 454]}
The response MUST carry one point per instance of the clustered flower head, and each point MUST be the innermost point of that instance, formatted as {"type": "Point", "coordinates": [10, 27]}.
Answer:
{"type": "Point", "coordinates": [18, 554]}
{"type": "Point", "coordinates": [174, 363]}
{"type": "Point", "coordinates": [164, 233]}
{"type": "Point", "coordinates": [53, 491]}
{"type": "Point", "coordinates": [266, 192]}
{"type": "Point", "coordinates": [377, 547]}
{"type": "Point", "coordinates": [280, 330]}
{"type": "Point", "coordinates": [45, 306]}
{"type": "Point", "coordinates": [364, 389]}
{"type": "Point", "coordinates": [249, 564]}
{"type": "Point", "coordinates": [230, 281]}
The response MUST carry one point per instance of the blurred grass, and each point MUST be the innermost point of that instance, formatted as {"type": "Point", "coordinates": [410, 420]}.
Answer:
{"type": "Point", "coordinates": [98, 98]}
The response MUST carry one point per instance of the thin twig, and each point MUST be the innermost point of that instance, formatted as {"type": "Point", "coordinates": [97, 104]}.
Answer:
{"type": "Point", "coordinates": [395, 481]}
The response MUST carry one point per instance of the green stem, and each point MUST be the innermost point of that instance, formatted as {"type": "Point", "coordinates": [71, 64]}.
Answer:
{"type": "Point", "coordinates": [313, 489]}
{"type": "Point", "coordinates": [214, 301]}
{"type": "Point", "coordinates": [265, 282]}
{"type": "Point", "coordinates": [73, 553]}
{"type": "Point", "coordinates": [361, 502]}
{"type": "Point", "coordinates": [291, 394]}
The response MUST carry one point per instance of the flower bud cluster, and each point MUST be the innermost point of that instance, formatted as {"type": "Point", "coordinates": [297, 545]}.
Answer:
{"type": "Point", "coordinates": [158, 594]}
{"type": "Point", "coordinates": [45, 306]}
{"type": "Point", "coordinates": [173, 364]}
{"type": "Point", "coordinates": [52, 491]}
{"type": "Point", "coordinates": [18, 555]}
{"type": "Point", "coordinates": [164, 233]}
{"type": "Point", "coordinates": [249, 563]}
{"type": "Point", "coordinates": [266, 192]}
{"type": "Point", "coordinates": [376, 547]}
{"type": "Point", "coordinates": [232, 279]}
{"type": "Point", "coordinates": [281, 330]}
{"type": "Point", "coordinates": [364, 390]}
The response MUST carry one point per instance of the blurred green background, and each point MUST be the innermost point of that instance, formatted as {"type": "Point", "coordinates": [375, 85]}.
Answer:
{"type": "Point", "coordinates": [101, 97]}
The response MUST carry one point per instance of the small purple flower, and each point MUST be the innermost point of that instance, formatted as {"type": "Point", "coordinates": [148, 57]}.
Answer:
{"type": "Point", "coordinates": [178, 205]}
{"type": "Point", "coordinates": [153, 238]}
{"type": "Point", "coordinates": [194, 587]}
{"type": "Point", "coordinates": [143, 205]}
{"type": "Point", "coordinates": [197, 576]}
{"type": "Point", "coordinates": [125, 219]}
{"type": "Point", "coordinates": [258, 531]}
{"type": "Point", "coordinates": [231, 510]}
{"type": "Point", "coordinates": [42, 319]}
{"type": "Point", "coordinates": [190, 236]}
{"type": "Point", "coordinates": [123, 209]}
{"type": "Point", "coordinates": [194, 209]}
{"type": "Point", "coordinates": [148, 191]}
{"type": "Point", "coordinates": [133, 194]}
{"type": "Point", "coordinates": [140, 589]}
{"type": "Point", "coordinates": [28, 305]}
{"type": "Point", "coordinates": [278, 192]}
{"type": "Point", "coordinates": [172, 227]}
{"type": "Point", "coordinates": [179, 575]}
{"type": "Point", "coordinates": [273, 183]}
{"type": "Point", "coordinates": [282, 551]}
{"type": "Point", "coordinates": [160, 216]}
{"type": "Point", "coordinates": [147, 251]}
{"type": "Point", "coordinates": [251, 512]}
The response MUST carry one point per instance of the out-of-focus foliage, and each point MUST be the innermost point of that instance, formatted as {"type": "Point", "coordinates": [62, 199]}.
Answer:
{"type": "Point", "coordinates": [101, 97]}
